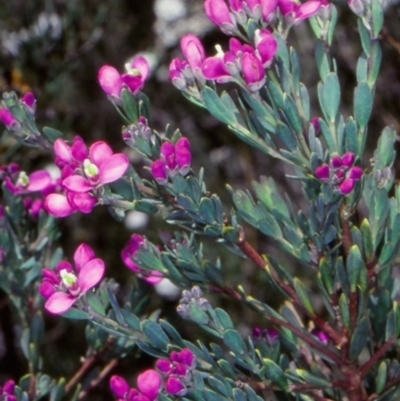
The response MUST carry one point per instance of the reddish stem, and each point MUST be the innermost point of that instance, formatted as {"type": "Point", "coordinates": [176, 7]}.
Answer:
{"type": "Point", "coordinates": [378, 354]}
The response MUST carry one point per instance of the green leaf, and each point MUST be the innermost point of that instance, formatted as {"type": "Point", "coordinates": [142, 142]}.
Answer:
{"type": "Point", "coordinates": [322, 60]}
{"type": "Point", "coordinates": [362, 104]}
{"type": "Point", "coordinates": [224, 318]}
{"type": "Point", "coordinates": [206, 210]}
{"type": "Point", "coordinates": [344, 310]}
{"type": "Point", "coordinates": [367, 239]}
{"type": "Point", "coordinates": [354, 264]}
{"type": "Point", "coordinates": [381, 377]}
{"type": "Point", "coordinates": [364, 36]}
{"type": "Point", "coordinates": [276, 374]}
{"type": "Point", "coordinates": [239, 395]}
{"type": "Point", "coordinates": [286, 135]}
{"type": "Point", "coordinates": [129, 105]}
{"type": "Point", "coordinates": [52, 134]}
{"type": "Point", "coordinates": [197, 314]}
{"type": "Point", "coordinates": [116, 307]}
{"type": "Point", "coordinates": [216, 107]}
{"type": "Point", "coordinates": [359, 338]}
{"type": "Point", "coordinates": [77, 314]}
{"type": "Point", "coordinates": [377, 18]}
{"type": "Point", "coordinates": [234, 342]}
{"type": "Point", "coordinates": [155, 334]}
{"type": "Point", "coordinates": [172, 333]}
{"type": "Point", "coordinates": [329, 97]}
{"type": "Point", "coordinates": [292, 114]}
{"type": "Point", "coordinates": [313, 379]}
{"type": "Point", "coordinates": [302, 294]}
{"type": "Point", "coordinates": [95, 303]}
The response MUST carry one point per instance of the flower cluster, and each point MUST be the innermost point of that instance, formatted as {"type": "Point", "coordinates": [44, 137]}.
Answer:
{"type": "Point", "coordinates": [176, 372]}
{"type": "Point", "coordinates": [243, 63]}
{"type": "Point", "coordinates": [83, 171]}
{"type": "Point", "coordinates": [132, 132]}
{"type": "Point", "coordinates": [7, 391]}
{"type": "Point", "coordinates": [128, 254]}
{"type": "Point", "coordinates": [148, 383]}
{"type": "Point", "coordinates": [64, 286]}
{"type": "Point", "coordinates": [263, 11]}
{"type": "Point", "coordinates": [190, 299]}
{"type": "Point", "coordinates": [174, 158]}
{"type": "Point", "coordinates": [112, 82]}
{"type": "Point", "coordinates": [340, 173]}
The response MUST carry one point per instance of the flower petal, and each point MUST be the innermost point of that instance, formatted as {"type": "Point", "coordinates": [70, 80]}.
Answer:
{"type": "Point", "coordinates": [58, 205]}
{"type": "Point", "coordinates": [82, 255]}
{"type": "Point", "coordinates": [99, 151]}
{"type": "Point", "coordinates": [110, 80]}
{"type": "Point", "coordinates": [91, 273]}
{"type": "Point", "coordinates": [77, 183]}
{"type": "Point", "coordinates": [82, 201]}
{"type": "Point", "coordinates": [140, 63]}
{"type": "Point", "coordinates": [62, 150]}
{"type": "Point", "coordinates": [113, 168]}
{"type": "Point", "coordinates": [39, 180]}
{"type": "Point", "coordinates": [59, 302]}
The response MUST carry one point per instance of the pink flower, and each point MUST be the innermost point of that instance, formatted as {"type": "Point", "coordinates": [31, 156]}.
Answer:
{"type": "Point", "coordinates": [29, 101]}
{"type": "Point", "coordinates": [159, 171]}
{"type": "Point", "coordinates": [176, 72]}
{"type": "Point", "coordinates": [268, 8]}
{"type": "Point", "coordinates": [193, 51]}
{"type": "Point", "coordinates": [99, 168]}
{"type": "Point", "coordinates": [66, 285]}
{"type": "Point", "coordinates": [295, 12]}
{"type": "Point", "coordinates": [128, 254]}
{"type": "Point", "coordinates": [63, 205]}
{"type": "Point", "coordinates": [7, 391]}
{"type": "Point", "coordinates": [174, 386]}
{"type": "Point", "coordinates": [112, 82]}
{"type": "Point", "coordinates": [218, 12]}
{"type": "Point", "coordinates": [136, 75]}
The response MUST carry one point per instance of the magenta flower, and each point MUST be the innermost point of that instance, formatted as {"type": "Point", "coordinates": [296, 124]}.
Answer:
{"type": "Point", "coordinates": [174, 386]}
{"type": "Point", "coordinates": [266, 46]}
{"type": "Point", "coordinates": [64, 286]}
{"type": "Point", "coordinates": [63, 205]}
{"type": "Point", "coordinates": [159, 171]}
{"type": "Point", "coordinates": [253, 71]}
{"type": "Point", "coordinates": [321, 335]}
{"type": "Point", "coordinates": [112, 82]}
{"type": "Point", "coordinates": [296, 12]}
{"type": "Point", "coordinates": [9, 120]}
{"type": "Point", "coordinates": [99, 168]}
{"type": "Point", "coordinates": [128, 254]}
{"type": "Point", "coordinates": [7, 391]}
{"type": "Point", "coordinates": [268, 8]}
{"type": "Point", "coordinates": [29, 101]}
{"type": "Point", "coordinates": [322, 172]}
{"type": "Point", "coordinates": [22, 184]}
{"type": "Point", "coordinates": [218, 12]}
{"type": "Point", "coordinates": [149, 383]}
{"type": "Point", "coordinates": [176, 73]}
{"type": "Point", "coordinates": [136, 75]}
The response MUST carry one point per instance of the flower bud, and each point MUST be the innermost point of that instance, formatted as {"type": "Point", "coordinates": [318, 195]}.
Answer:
{"type": "Point", "coordinates": [175, 387]}
{"type": "Point", "coordinates": [253, 72]}
{"type": "Point", "coordinates": [346, 186]}
{"type": "Point", "coordinates": [159, 171]}
{"type": "Point", "coordinates": [119, 386]}
{"type": "Point", "coordinates": [110, 81]}
{"type": "Point", "coordinates": [218, 12]}
{"type": "Point", "coordinates": [322, 172]}
{"type": "Point", "coordinates": [348, 159]}
{"type": "Point", "coordinates": [149, 383]}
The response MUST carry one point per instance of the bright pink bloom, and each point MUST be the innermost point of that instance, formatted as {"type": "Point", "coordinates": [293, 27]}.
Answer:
{"type": "Point", "coordinates": [137, 73]}
{"type": "Point", "coordinates": [346, 186]}
{"type": "Point", "coordinates": [193, 50]}
{"type": "Point", "coordinates": [266, 46]}
{"type": "Point", "coordinates": [295, 12]}
{"type": "Point", "coordinates": [70, 284]}
{"type": "Point", "coordinates": [176, 72]}
{"type": "Point", "coordinates": [321, 335]}
{"type": "Point", "coordinates": [100, 168]}
{"type": "Point", "coordinates": [110, 81]}
{"type": "Point", "coordinates": [128, 254]}
{"type": "Point", "coordinates": [214, 68]}
{"type": "Point", "coordinates": [218, 12]}
{"type": "Point", "coordinates": [149, 383]}
{"type": "Point", "coordinates": [355, 173]}
{"type": "Point", "coordinates": [348, 159]}
{"type": "Point", "coordinates": [7, 391]}
{"type": "Point", "coordinates": [37, 181]}
{"type": "Point", "coordinates": [63, 205]}
{"type": "Point", "coordinates": [268, 8]}
{"type": "Point", "coordinates": [253, 71]}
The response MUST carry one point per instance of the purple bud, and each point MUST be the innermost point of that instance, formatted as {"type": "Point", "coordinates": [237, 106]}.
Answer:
{"type": "Point", "coordinates": [321, 335]}
{"type": "Point", "coordinates": [187, 358]}
{"type": "Point", "coordinates": [336, 161]}
{"type": "Point", "coordinates": [256, 333]}
{"type": "Point", "coordinates": [167, 150]}
{"type": "Point", "coordinates": [306, 10]}
{"type": "Point", "coordinates": [149, 383]}
{"type": "Point", "coordinates": [271, 335]}
{"type": "Point", "coordinates": [322, 172]}
{"type": "Point", "coordinates": [119, 386]}
{"type": "Point", "coordinates": [176, 68]}
{"type": "Point", "coordinates": [268, 8]}
{"type": "Point", "coordinates": [315, 122]}
{"type": "Point", "coordinates": [214, 68]}
{"type": "Point", "coordinates": [29, 100]}
{"type": "Point", "coordinates": [266, 45]}
{"type": "Point", "coordinates": [163, 365]}
{"type": "Point", "coordinates": [175, 387]}
{"type": "Point", "coordinates": [182, 155]}
{"type": "Point", "coordinates": [355, 173]}
{"type": "Point", "coordinates": [346, 186]}
{"type": "Point", "coordinates": [159, 171]}
{"type": "Point", "coordinates": [348, 159]}
{"type": "Point", "coordinates": [9, 387]}
{"type": "Point", "coordinates": [110, 81]}
{"type": "Point", "coordinates": [9, 120]}
{"type": "Point", "coordinates": [193, 51]}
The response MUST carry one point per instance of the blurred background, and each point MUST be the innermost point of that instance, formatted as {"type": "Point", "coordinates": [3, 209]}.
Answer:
{"type": "Point", "coordinates": [55, 48]}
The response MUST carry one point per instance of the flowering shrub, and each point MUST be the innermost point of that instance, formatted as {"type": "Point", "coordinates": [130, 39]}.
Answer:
{"type": "Point", "coordinates": [334, 338]}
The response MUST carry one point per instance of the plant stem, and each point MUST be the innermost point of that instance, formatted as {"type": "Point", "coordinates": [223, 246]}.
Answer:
{"type": "Point", "coordinates": [89, 362]}
{"type": "Point", "coordinates": [261, 262]}
{"type": "Point", "coordinates": [378, 354]}
{"type": "Point", "coordinates": [96, 381]}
